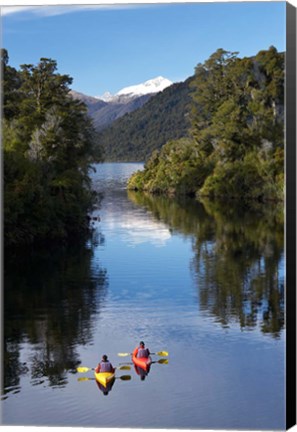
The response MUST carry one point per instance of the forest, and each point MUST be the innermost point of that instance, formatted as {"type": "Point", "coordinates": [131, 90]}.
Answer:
{"type": "Point", "coordinates": [220, 136]}
{"type": "Point", "coordinates": [235, 144]}
{"type": "Point", "coordinates": [133, 137]}
{"type": "Point", "coordinates": [49, 146]}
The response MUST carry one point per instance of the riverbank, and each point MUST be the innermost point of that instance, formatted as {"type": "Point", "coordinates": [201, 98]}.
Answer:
{"type": "Point", "coordinates": [177, 170]}
{"type": "Point", "coordinates": [235, 145]}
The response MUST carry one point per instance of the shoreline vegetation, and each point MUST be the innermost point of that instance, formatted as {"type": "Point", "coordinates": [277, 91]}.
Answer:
{"type": "Point", "coordinates": [235, 147]}
{"type": "Point", "coordinates": [49, 146]}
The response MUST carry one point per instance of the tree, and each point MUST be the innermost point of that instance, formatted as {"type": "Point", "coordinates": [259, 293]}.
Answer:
{"type": "Point", "coordinates": [237, 117]}
{"type": "Point", "coordinates": [43, 86]}
{"type": "Point", "coordinates": [237, 132]}
{"type": "Point", "coordinates": [10, 84]}
{"type": "Point", "coordinates": [49, 146]}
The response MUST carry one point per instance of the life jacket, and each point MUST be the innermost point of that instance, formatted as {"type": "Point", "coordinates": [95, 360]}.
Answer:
{"type": "Point", "coordinates": [142, 353]}
{"type": "Point", "coordinates": [105, 367]}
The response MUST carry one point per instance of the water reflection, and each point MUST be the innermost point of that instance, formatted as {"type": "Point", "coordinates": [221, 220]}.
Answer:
{"type": "Point", "coordinates": [135, 228]}
{"type": "Point", "coordinates": [216, 269]}
{"type": "Point", "coordinates": [141, 372]}
{"type": "Point", "coordinates": [238, 263]}
{"type": "Point", "coordinates": [105, 389]}
{"type": "Point", "coordinates": [51, 299]}
{"type": "Point", "coordinates": [130, 222]}
{"type": "Point", "coordinates": [242, 274]}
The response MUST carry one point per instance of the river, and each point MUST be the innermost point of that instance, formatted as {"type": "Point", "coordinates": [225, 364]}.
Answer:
{"type": "Point", "coordinates": [204, 283]}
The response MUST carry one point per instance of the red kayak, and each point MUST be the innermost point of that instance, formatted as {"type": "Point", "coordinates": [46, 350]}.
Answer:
{"type": "Point", "coordinates": [143, 362]}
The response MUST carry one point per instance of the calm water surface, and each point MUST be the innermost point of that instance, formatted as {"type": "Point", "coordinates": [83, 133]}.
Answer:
{"type": "Point", "coordinates": [201, 282]}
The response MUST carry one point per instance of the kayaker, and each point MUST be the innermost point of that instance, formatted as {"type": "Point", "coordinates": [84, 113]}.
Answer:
{"type": "Point", "coordinates": [104, 365]}
{"type": "Point", "coordinates": [141, 351]}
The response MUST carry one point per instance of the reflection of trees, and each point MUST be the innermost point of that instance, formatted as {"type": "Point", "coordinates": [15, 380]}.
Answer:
{"type": "Point", "coordinates": [238, 255]}
{"type": "Point", "coordinates": [50, 299]}
{"type": "Point", "coordinates": [239, 269]}
{"type": "Point", "coordinates": [183, 214]}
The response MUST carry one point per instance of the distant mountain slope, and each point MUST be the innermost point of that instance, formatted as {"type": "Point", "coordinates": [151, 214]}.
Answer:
{"type": "Point", "coordinates": [136, 135]}
{"type": "Point", "coordinates": [105, 109]}
{"type": "Point", "coordinates": [91, 102]}
{"type": "Point", "coordinates": [104, 113]}
{"type": "Point", "coordinates": [111, 111]}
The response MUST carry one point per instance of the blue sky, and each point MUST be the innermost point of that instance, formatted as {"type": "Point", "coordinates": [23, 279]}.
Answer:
{"type": "Point", "coordinates": [108, 48]}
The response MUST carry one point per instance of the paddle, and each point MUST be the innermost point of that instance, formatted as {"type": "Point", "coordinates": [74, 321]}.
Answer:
{"type": "Point", "coordinates": [123, 378]}
{"type": "Point", "coordinates": [161, 361]}
{"type": "Point", "coordinates": [160, 353]}
{"type": "Point", "coordinates": [83, 369]}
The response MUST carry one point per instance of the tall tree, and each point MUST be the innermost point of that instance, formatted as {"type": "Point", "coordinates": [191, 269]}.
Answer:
{"type": "Point", "coordinates": [10, 84]}
{"type": "Point", "coordinates": [237, 128]}
{"type": "Point", "coordinates": [49, 146]}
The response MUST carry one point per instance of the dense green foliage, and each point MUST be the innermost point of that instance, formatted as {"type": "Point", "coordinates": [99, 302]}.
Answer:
{"type": "Point", "coordinates": [236, 143]}
{"type": "Point", "coordinates": [48, 146]}
{"type": "Point", "coordinates": [136, 135]}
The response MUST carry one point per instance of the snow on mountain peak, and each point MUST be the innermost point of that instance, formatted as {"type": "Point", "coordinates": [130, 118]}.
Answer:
{"type": "Point", "coordinates": [154, 85]}
{"type": "Point", "coordinates": [106, 97]}
{"type": "Point", "coordinates": [151, 86]}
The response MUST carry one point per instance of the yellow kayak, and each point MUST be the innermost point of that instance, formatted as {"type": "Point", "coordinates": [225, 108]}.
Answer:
{"type": "Point", "coordinates": [104, 377]}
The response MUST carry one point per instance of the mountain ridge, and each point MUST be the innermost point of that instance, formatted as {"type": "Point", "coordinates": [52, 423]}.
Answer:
{"type": "Point", "coordinates": [134, 136]}
{"type": "Point", "coordinates": [106, 109]}
{"type": "Point", "coordinates": [104, 113]}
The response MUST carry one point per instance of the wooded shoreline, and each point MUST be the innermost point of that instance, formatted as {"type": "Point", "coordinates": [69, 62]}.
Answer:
{"type": "Point", "coordinates": [233, 148]}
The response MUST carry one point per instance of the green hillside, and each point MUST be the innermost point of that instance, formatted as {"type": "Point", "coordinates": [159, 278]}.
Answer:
{"type": "Point", "coordinates": [136, 135]}
{"type": "Point", "coordinates": [236, 145]}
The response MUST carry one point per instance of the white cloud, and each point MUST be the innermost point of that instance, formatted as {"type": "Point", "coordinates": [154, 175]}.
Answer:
{"type": "Point", "coordinates": [53, 10]}
{"type": "Point", "coordinates": [7, 10]}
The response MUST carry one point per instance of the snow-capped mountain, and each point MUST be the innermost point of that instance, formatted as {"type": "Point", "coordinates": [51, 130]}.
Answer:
{"type": "Point", "coordinates": [151, 86]}
{"type": "Point", "coordinates": [105, 109]}
{"type": "Point", "coordinates": [106, 97]}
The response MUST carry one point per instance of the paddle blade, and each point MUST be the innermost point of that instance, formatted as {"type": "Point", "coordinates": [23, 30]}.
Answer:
{"type": "Point", "coordinates": [83, 379]}
{"type": "Point", "coordinates": [125, 377]}
{"type": "Point", "coordinates": [124, 354]}
{"type": "Point", "coordinates": [83, 369]}
{"type": "Point", "coordinates": [124, 367]}
{"type": "Point", "coordinates": [163, 353]}
{"type": "Point", "coordinates": [163, 361]}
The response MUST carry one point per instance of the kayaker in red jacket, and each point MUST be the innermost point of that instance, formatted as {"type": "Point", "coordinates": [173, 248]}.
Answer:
{"type": "Point", "coordinates": [141, 351]}
{"type": "Point", "coordinates": [104, 365]}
